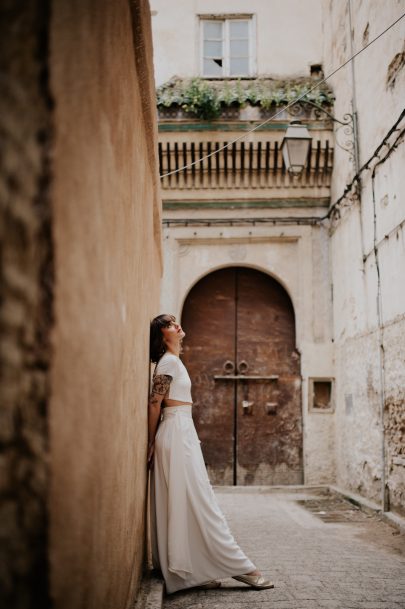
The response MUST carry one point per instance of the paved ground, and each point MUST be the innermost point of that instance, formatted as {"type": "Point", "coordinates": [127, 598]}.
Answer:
{"type": "Point", "coordinates": [321, 552]}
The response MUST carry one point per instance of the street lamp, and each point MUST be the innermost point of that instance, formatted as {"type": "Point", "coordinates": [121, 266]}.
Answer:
{"type": "Point", "coordinates": [295, 147]}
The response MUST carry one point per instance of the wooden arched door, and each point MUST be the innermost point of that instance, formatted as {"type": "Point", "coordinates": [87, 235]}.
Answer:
{"type": "Point", "coordinates": [240, 352]}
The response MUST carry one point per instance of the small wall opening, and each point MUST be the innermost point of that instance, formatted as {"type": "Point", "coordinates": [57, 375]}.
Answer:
{"type": "Point", "coordinates": [321, 395]}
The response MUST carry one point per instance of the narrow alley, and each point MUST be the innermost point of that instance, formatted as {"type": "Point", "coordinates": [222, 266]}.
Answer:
{"type": "Point", "coordinates": [229, 173]}
{"type": "Point", "coordinates": [320, 550]}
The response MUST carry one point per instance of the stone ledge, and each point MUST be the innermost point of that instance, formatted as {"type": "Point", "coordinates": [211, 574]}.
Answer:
{"type": "Point", "coordinates": [281, 488]}
{"type": "Point", "coordinates": [371, 507]}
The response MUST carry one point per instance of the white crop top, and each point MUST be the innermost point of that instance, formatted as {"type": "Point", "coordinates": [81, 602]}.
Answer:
{"type": "Point", "coordinates": [180, 386]}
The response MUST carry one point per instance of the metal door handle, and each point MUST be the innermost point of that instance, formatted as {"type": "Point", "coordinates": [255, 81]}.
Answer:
{"type": "Point", "coordinates": [243, 367]}
{"type": "Point", "coordinates": [229, 366]}
{"type": "Point", "coordinates": [245, 377]}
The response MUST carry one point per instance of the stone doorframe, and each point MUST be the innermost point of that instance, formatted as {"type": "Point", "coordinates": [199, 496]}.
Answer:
{"type": "Point", "coordinates": [296, 257]}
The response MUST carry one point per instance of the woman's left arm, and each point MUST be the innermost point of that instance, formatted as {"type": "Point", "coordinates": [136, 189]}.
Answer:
{"type": "Point", "coordinates": [161, 384]}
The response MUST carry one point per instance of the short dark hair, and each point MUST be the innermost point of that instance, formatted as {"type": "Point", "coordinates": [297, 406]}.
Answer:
{"type": "Point", "coordinates": [156, 345]}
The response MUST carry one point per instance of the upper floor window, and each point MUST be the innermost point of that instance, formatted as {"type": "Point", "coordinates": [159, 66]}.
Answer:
{"type": "Point", "coordinates": [226, 47]}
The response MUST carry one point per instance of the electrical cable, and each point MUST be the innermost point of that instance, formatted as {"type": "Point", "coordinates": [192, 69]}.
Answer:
{"type": "Point", "coordinates": [307, 219]}
{"type": "Point", "coordinates": [384, 239]}
{"type": "Point", "coordinates": [367, 163]}
{"type": "Point", "coordinates": [207, 156]}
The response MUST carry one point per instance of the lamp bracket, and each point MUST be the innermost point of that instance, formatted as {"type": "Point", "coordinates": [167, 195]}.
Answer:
{"type": "Point", "coordinates": [345, 126]}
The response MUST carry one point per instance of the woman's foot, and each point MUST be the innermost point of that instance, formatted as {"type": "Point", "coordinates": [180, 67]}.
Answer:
{"type": "Point", "coordinates": [254, 579]}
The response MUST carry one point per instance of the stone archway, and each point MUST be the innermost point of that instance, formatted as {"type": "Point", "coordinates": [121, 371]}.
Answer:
{"type": "Point", "coordinates": [241, 355]}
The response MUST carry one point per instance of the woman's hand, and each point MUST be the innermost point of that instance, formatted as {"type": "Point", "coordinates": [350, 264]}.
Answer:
{"type": "Point", "coordinates": [151, 452]}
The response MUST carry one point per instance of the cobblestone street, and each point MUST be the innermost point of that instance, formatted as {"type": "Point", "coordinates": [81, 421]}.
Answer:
{"type": "Point", "coordinates": [320, 551]}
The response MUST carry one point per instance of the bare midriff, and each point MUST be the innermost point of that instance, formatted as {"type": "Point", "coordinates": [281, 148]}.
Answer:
{"type": "Point", "coordinates": [167, 402]}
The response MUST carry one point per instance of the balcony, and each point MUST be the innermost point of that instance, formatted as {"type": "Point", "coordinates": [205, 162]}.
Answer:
{"type": "Point", "coordinates": [246, 169]}
{"type": "Point", "coordinates": [250, 170]}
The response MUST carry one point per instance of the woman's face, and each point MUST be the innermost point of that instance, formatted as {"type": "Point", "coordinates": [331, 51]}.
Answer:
{"type": "Point", "coordinates": [173, 331]}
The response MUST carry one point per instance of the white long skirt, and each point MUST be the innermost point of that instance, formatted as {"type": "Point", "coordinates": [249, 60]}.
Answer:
{"type": "Point", "coordinates": [191, 541]}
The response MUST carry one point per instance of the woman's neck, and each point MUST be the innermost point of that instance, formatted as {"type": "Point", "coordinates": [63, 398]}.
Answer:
{"type": "Point", "coordinates": [174, 349]}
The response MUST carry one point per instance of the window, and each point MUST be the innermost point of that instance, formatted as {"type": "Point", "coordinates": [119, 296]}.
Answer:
{"type": "Point", "coordinates": [226, 47]}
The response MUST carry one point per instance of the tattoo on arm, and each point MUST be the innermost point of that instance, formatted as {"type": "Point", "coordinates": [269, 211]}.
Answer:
{"type": "Point", "coordinates": [154, 399]}
{"type": "Point", "coordinates": [161, 384]}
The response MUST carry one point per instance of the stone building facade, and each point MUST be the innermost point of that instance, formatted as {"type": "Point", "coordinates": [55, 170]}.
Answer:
{"type": "Point", "coordinates": [368, 253]}
{"type": "Point", "coordinates": [240, 212]}
{"type": "Point", "coordinates": [80, 223]}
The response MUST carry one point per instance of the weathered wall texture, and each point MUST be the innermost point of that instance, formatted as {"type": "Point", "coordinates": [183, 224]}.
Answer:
{"type": "Point", "coordinates": [80, 270]}
{"type": "Point", "coordinates": [395, 412]}
{"type": "Point", "coordinates": [107, 267]}
{"type": "Point", "coordinates": [281, 42]}
{"type": "Point", "coordinates": [363, 369]}
{"type": "Point", "coordinates": [26, 286]}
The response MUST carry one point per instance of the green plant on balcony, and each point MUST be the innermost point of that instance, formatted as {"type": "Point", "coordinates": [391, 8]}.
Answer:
{"type": "Point", "coordinates": [206, 99]}
{"type": "Point", "coordinates": [201, 100]}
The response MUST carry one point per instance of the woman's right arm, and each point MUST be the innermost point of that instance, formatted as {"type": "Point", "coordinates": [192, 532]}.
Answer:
{"type": "Point", "coordinates": [161, 384]}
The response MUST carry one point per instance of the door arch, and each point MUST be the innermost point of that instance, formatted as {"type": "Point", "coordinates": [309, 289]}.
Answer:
{"type": "Point", "coordinates": [241, 355]}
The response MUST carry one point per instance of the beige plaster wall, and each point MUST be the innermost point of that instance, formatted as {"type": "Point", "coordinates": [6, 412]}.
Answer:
{"type": "Point", "coordinates": [283, 47]}
{"type": "Point", "coordinates": [107, 267]}
{"type": "Point", "coordinates": [363, 430]}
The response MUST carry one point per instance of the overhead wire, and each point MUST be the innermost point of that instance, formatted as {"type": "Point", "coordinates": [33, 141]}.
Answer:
{"type": "Point", "coordinates": [312, 219]}
{"type": "Point", "coordinates": [316, 219]}
{"type": "Point", "coordinates": [299, 98]}
{"type": "Point", "coordinates": [366, 165]}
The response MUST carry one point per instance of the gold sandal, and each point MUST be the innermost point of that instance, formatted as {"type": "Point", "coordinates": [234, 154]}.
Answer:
{"type": "Point", "coordinates": [256, 581]}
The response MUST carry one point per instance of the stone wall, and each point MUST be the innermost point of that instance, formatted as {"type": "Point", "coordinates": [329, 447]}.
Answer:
{"type": "Point", "coordinates": [368, 242]}
{"type": "Point", "coordinates": [289, 40]}
{"type": "Point", "coordinates": [80, 224]}
{"type": "Point", "coordinates": [394, 413]}
{"type": "Point", "coordinates": [26, 297]}
{"type": "Point", "coordinates": [297, 257]}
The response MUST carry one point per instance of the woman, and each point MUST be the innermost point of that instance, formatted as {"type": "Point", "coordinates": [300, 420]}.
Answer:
{"type": "Point", "coordinates": [191, 541]}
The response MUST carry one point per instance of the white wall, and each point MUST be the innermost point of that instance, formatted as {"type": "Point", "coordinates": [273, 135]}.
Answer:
{"type": "Point", "coordinates": [356, 328]}
{"type": "Point", "coordinates": [287, 35]}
